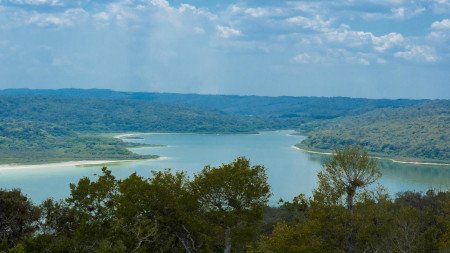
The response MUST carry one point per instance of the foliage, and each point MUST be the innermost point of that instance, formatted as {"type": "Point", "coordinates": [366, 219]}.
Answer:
{"type": "Point", "coordinates": [233, 196]}
{"type": "Point", "coordinates": [166, 212]}
{"type": "Point", "coordinates": [412, 222]}
{"type": "Point", "coordinates": [169, 212]}
{"type": "Point", "coordinates": [18, 217]}
{"type": "Point", "coordinates": [349, 170]}
{"type": "Point", "coordinates": [285, 108]}
{"type": "Point", "coordinates": [417, 132]}
{"type": "Point", "coordinates": [38, 142]}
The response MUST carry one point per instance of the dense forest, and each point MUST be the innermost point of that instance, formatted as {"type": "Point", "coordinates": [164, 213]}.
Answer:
{"type": "Point", "coordinates": [224, 209]}
{"type": "Point", "coordinates": [419, 132]}
{"type": "Point", "coordinates": [302, 108]}
{"type": "Point", "coordinates": [33, 142]}
{"type": "Point", "coordinates": [62, 125]}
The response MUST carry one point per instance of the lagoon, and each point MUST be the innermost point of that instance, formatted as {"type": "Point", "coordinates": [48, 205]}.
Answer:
{"type": "Point", "coordinates": [290, 171]}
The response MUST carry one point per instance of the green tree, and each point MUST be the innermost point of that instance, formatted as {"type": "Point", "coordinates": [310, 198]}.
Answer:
{"type": "Point", "coordinates": [18, 216]}
{"type": "Point", "coordinates": [163, 203]}
{"type": "Point", "coordinates": [233, 196]}
{"type": "Point", "coordinates": [350, 170]}
{"type": "Point", "coordinates": [94, 205]}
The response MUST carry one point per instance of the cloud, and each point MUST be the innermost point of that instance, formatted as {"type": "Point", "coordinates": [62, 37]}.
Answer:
{"type": "Point", "coordinates": [316, 23]}
{"type": "Point", "coordinates": [34, 2]}
{"type": "Point", "coordinates": [385, 42]}
{"type": "Point", "coordinates": [161, 3]}
{"type": "Point", "coordinates": [238, 42]}
{"type": "Point", "coordinates": [101, 16]}
{"type": "Point", "coordinates": [440, 31]}
{"type": "Point", "coordinates": [418, 53]}
{"type": "Point", "coordinates": [440, 6]}
{"type": "Point", "coordinates": [350, 38]}
{"type": "Point", "coordinates": [441, 25]}
{"type": "Point", "coordinates": [67, 18]}
{"type": "Point", "coordinates": [305, 58]}
{"type": "Point", "coordinates": [227, 32]}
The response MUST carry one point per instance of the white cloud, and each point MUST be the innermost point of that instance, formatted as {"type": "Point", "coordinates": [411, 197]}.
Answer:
{"type": "Point", "coordinates": [199, 30]}
{"type": "Point", "coordinates": [418, 53]}
{"type": "Point", "coordinates": [441, 25]}
{"type": "Point", "coordinates": [349, 38]}
{"type": "Point", "coordinates": [336, 56]}
{"type": "Point", "coordinates": [317, 23]}
{"type": "Point", "coordinates": [101, 16]}
{"type": "Point", "coordinates": [67, 18]}
{"type": "Point", "coordinates": [226, 31]}
{"type": "Point", "coordinates": [440, 31]}
{"type": "Point", "coordinates": [35, 2]}
{"type": "Point", "coordinates": [161, 3]}
{"type": "Point", "coordinates": [256, 12]}
{"type": "Point", "coordinates": [440, 6]}
{"type": "Point", "coordinates": [362, 39]}
{"type": "Point", "coordinates": [385, 42]}
{"type": "Point", "coordinates": [304, 58]}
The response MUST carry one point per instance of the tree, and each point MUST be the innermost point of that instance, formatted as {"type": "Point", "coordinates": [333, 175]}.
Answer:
{"type": "Point", "coordinates": [350, 170]}
{"type": "Point", "coordinates": [163, 203]}
{"type": "Point", "coordinates": [232, 195]}
{"type": "Point", "coordinates": [18, 216]}
{"type": "Point", "coordinates": [134, 217]}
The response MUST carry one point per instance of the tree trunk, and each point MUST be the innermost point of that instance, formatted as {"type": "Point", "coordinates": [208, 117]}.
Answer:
{"type": "Point", "coordinates": [352, 237]}
{"type": "Point", "coordinates": [187, 244]}
{"type": "Point", "coordinates": [227, 248]}
{"type": "Point", "coordinates": [350, 194]}
{"type": "Point", "coordinates": [186, 239]}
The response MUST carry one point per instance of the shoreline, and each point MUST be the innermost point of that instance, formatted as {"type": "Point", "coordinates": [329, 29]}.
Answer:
{"type": "Point", "coordinates": [376, 157]}
{"type": "Point", "coordinates": [81, 163]}
{"type": "Point", "coordinates": [85, 163]}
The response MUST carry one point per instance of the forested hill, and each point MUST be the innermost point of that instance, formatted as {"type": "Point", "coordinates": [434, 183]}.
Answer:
{"type": "Point", "coordinates": [121, 115]}
{"type": "Point", "coordinates": [33, 142]}
{"type": "Point", "coordinates": [301, 108]}
{"type": "Point", "coordinates": [419, 132]}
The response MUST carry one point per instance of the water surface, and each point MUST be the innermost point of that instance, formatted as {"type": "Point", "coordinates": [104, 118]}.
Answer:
{"type": "Point", "coordinates": [290, 171]}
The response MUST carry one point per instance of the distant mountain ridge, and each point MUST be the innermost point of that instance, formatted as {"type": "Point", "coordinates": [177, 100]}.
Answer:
{"type": "Point", "coordinates": [283, 106]}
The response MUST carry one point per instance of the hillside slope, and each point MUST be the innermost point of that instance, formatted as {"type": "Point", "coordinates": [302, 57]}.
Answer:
{"type": "Point", "coordinates": [419, 132]}
{"type": "Point", "coordinates": [285, 107]}
{"type": "Point", "coordinates": [40, 142]}
{"type": "Point", "coordinates": [116, 115]}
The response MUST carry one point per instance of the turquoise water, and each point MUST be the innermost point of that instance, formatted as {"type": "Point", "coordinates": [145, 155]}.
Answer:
{"type": "Point", "coordinates": [290, 171]}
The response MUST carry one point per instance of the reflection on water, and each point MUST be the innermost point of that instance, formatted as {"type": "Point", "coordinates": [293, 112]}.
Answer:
{"type": "Point", "coordinates": [399, 177]}
{"type": "Point", "coordinates": [290, 171]}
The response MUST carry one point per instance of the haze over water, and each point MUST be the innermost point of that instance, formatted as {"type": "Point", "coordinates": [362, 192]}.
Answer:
{"type": "Point", "coordinates": [290, 171]}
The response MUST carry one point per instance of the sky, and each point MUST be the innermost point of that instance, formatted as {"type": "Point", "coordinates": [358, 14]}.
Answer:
{"type": "Point", "coordinates": [353, 48]}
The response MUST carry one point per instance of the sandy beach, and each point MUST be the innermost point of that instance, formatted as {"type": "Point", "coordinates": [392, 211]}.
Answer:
{"type": "Point", "coordinates": [69, 164]}
{"type": "Point", "coordinates": [376, 157]}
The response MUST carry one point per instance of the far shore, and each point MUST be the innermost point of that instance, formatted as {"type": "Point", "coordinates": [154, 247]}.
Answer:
{"type": "Point", "coordinates": [376, 157]}
{"type": "Point", "coordinates": [71, 164]}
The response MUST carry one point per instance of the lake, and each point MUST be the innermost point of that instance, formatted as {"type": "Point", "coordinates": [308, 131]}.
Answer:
{"type": "Point", "coordinates": [290, 171]}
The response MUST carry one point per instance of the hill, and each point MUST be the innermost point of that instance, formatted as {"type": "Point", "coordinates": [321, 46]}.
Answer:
{"type": "Point", "coordinates": [41, 142]}
{"type": "Point", "coordinates": [115, 115]}
{"type": "Point", "coordinates": [285, 107]}
{"type": "Point", "coordinates": [419, 132]}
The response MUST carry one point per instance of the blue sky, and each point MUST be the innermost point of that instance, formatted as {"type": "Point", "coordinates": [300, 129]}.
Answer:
{"type": "Point", "coordinates": [365, 48]}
